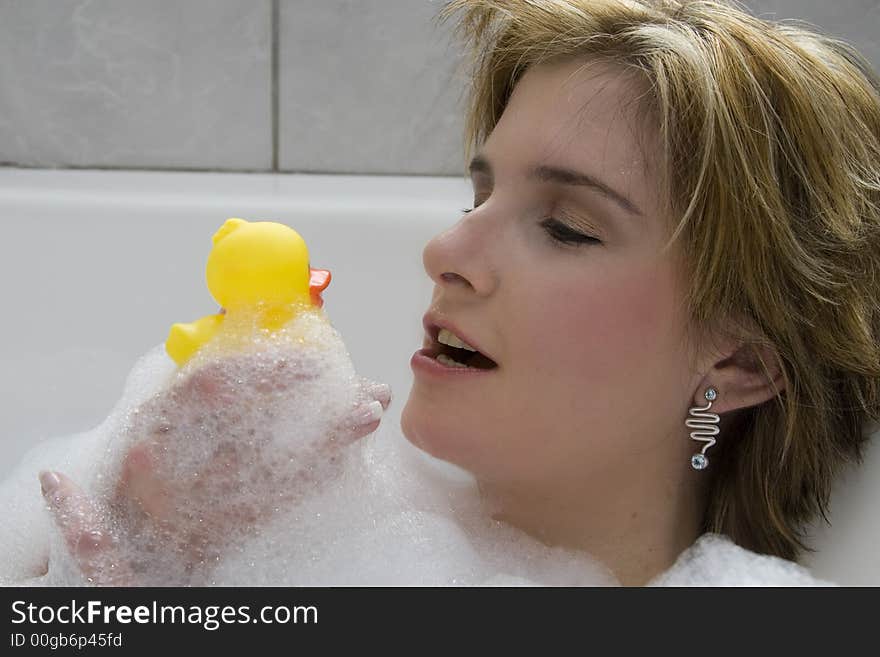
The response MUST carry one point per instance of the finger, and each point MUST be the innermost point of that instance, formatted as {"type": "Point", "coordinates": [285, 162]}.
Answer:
{"type": "Point", "coordinates": [381, 392]}
{"type": "Point", "coordinates": [140, 483]}
{"type": "Point", "coordinates": [360, 431]}
{"type": "Point", "coordinates": [85, 530]}
{"type": "Point", "coordinates": [366, 414]}
{"type": "Point", "coordinates": [219, 383]}
{"type": "Point", "coordinates": [363, 421]}
{"type": "Point", "coordinates": [208, 385]}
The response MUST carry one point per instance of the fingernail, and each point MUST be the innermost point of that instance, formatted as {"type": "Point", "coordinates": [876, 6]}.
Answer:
{"type": "Point", "coordinates": [49, 482]}
{"type": "Point", "coordinates": [369, 413]}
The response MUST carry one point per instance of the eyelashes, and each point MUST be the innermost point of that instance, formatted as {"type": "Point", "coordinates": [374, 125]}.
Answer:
{"type": "Point", "coordinates": [560, 232]}
{"type": "Point", "coordinates": [557, 231]}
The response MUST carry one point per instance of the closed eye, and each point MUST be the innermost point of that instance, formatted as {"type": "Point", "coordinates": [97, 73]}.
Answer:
{"type": "Point", "coordinates": [559, 232]}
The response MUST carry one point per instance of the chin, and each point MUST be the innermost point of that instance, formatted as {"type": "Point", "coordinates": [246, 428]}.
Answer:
{"type": "Point", "coordinates": [439, 435]}
{"type": "Point", "coordinates": [410, 426]}
{"type": "Point", "coordinates": [417, 427]}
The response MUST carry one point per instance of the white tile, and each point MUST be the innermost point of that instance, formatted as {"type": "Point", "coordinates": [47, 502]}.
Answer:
{"type": "Point", "coordinates": [368, 87]}
{"type": "Point", "coordinates": [136, 83]}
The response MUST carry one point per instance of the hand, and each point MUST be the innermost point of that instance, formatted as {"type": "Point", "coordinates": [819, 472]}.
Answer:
{"type": "Point", "coordinates": [189, 500]}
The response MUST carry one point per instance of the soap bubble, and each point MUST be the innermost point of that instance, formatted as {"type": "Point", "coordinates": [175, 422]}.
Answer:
{"type": "Point", "coordinates": [262, 485]}
{"type": "Point", "coordinates": [715, 560]}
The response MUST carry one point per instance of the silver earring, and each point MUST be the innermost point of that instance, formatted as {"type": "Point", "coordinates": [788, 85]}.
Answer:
{"type": "Point", "coordinates": [705, 427]}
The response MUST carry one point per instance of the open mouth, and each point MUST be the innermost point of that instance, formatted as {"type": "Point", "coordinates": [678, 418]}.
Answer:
{"type": "Point", "coordinates": [450, 350]}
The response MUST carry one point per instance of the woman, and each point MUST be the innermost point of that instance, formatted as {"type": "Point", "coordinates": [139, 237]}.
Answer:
{"type": "Point", "coordinates": [676, 217]}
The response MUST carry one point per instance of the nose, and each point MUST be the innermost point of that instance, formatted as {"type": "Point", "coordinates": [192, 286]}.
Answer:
{"type": "Point", "coordinates": [463, 257]}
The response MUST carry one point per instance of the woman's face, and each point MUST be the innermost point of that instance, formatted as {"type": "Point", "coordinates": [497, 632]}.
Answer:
{"type": "Point", "coordinates": [556, 276]}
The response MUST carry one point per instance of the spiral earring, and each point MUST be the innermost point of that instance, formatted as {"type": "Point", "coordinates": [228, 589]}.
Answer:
{"type": "Point", "coordinates": [705, 427]}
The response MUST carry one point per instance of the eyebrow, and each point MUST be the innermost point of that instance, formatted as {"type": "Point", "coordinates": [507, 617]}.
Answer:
{"type": "Point", "coordinates": [563, 176]}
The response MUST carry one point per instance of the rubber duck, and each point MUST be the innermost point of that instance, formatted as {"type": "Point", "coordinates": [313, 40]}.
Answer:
{"type": "Point", "coordinates": [260, 268]}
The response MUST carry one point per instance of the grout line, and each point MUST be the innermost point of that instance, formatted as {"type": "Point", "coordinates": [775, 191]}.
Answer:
{"type": "Point", "coordinates": [265, 172]}
{"type": "Point", "coordinates": [275, 45]}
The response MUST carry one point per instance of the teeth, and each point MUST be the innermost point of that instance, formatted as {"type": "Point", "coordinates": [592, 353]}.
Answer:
{"type": "Point", "coordinates": [447, 337]}
{"type": "Point", "coordinates": [449, 362]}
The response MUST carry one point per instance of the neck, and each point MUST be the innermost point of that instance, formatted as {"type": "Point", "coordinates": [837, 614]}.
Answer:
{"type": "Point", "coordinates": [636, 519]}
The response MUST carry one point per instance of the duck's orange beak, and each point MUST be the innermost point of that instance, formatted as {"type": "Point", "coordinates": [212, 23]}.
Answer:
{"type": "Point", "coordinates": [320, 279]}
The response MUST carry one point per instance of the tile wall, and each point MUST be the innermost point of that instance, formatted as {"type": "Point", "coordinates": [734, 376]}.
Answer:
{"type": "Point", "coordinates": [332, 86]}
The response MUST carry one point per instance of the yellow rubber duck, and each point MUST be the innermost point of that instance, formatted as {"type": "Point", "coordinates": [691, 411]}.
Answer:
{"type": "Point", "coordinates": [261, 268]}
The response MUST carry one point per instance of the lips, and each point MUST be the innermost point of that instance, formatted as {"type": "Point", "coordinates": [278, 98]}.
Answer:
{"type": "Point", "coordinates": [433, 325]}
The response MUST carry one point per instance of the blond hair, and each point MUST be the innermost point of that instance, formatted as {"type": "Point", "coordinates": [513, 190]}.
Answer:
{"type": "Point", "coordinates": [770, 170]}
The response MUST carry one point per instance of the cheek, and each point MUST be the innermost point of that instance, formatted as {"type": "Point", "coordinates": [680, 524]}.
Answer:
{"type": "Point", "coordinates": [582, 350]}
{"type": "Point", "coordinates": [601, 336]}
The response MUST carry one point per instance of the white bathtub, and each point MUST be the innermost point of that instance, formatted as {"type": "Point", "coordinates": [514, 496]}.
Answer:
{"type": "Point", "coordinates": [96, 265]}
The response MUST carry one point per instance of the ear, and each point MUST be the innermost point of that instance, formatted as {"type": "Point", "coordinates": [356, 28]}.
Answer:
{"type": "Point", "coordinates": [740, 379]}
